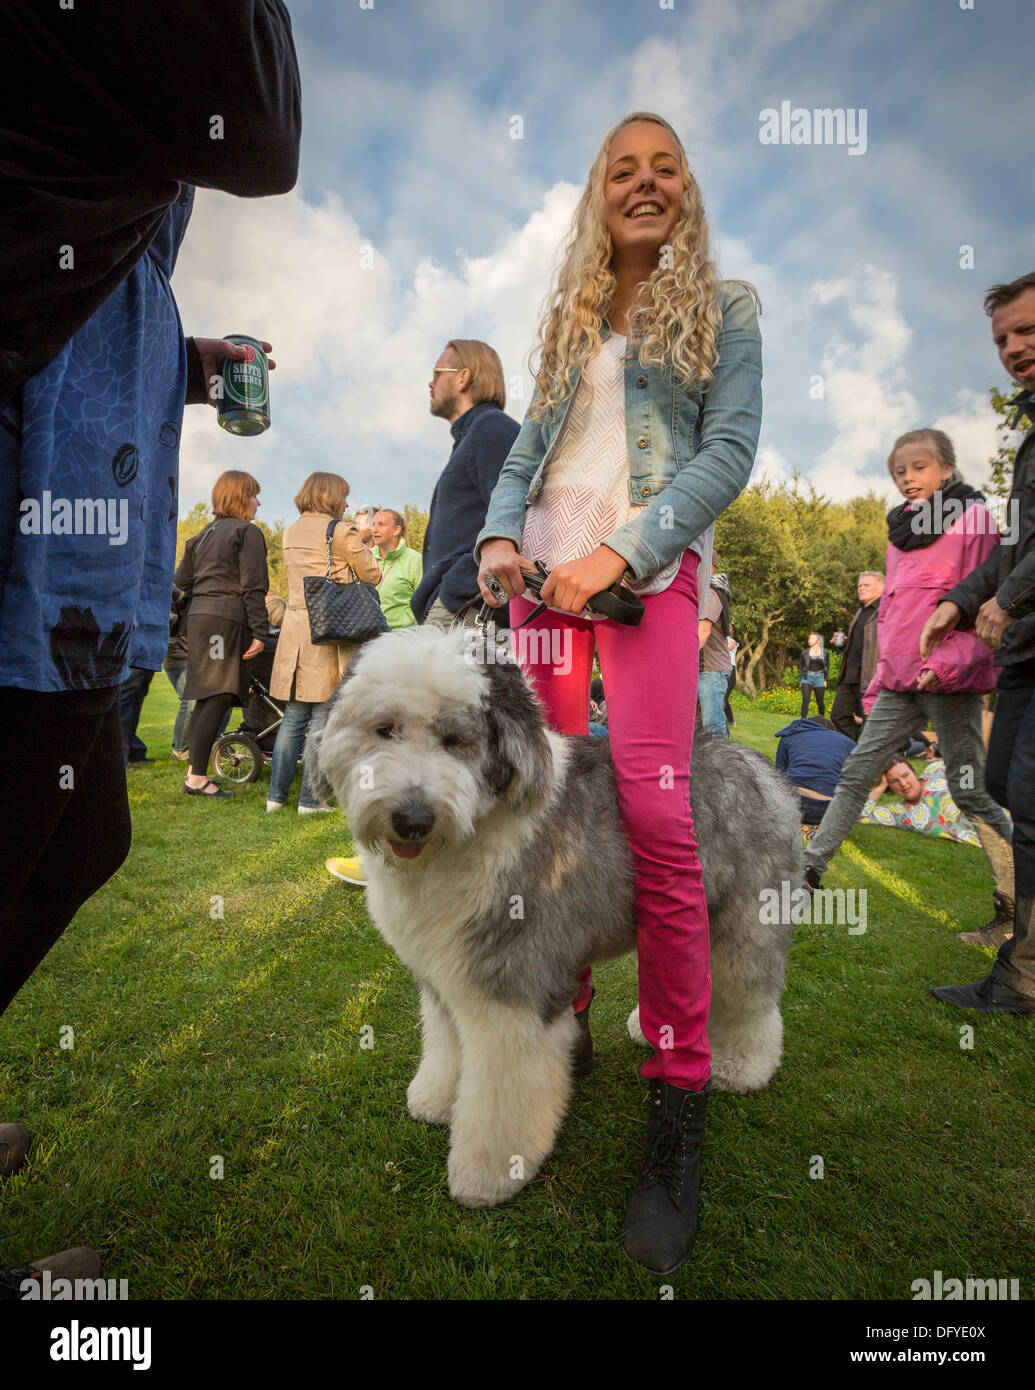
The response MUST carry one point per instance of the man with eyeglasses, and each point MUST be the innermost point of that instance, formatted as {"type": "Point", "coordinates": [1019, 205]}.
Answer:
{"type": "Point", "coordinates": [467, 390]}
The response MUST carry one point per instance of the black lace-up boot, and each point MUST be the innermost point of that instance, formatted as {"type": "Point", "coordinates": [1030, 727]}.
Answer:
{"type": "Point", "coordinates": [661, 1219]}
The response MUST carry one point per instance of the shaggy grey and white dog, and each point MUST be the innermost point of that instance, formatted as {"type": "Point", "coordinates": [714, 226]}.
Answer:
{"type": "Point", "coordinates": [497, 870]}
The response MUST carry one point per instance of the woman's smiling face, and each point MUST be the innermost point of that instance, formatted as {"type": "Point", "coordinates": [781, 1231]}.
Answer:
{"type": "Point", "coordinates": [643, 188]}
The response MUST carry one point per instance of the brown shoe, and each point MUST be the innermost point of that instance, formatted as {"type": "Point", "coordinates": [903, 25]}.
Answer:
{"type": "Point", "coordinates": [993, 933]}
{"type": "Point", "coordinates": [79, 1263]}
{"type": "Point", "coordinates": [14, 1145]}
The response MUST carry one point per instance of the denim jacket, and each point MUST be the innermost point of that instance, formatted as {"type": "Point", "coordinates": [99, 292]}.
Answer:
{"type": "Point", "coordinates": [691, 451]}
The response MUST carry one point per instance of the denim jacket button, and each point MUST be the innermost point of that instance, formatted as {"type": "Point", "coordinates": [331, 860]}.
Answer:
{"type": "Point", "coordinates": [641, 443]}
{"type": "Point", "coordinates": [645, 490]}
{"type": "Point", "coordinates": [641, 381]}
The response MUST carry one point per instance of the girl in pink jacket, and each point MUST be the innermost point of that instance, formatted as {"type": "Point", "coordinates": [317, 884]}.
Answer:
{"type": "Point", "coordinates": [939, 534]}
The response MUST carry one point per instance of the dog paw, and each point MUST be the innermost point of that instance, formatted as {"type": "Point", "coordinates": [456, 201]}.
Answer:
{"type": "Point", "coordinates": [635, 1031]}
{"type": "Point", "coordinates": [431, 1104]}
{"type": "Point", "coordinates": [472, 1185]}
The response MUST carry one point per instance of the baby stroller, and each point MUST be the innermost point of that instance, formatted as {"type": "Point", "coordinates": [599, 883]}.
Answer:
{"type": "Point", "coordinates": [239, 756]}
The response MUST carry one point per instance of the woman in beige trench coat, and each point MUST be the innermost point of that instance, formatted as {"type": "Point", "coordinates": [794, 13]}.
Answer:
{"type": "Point", "coordinates": [305, 675]}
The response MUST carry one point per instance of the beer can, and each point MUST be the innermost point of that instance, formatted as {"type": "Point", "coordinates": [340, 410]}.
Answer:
{"type": "Point", "coordinates": [245, 406]}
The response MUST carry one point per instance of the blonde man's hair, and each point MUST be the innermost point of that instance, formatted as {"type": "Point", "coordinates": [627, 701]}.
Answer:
{"type": "Point", "coordinates": [232, 493]}
{"type": "Point", "coordinates": [483, 362]}
{"type": "Point", "coordinates": [937, 441]}
{"type": "Point", "coordinates": [674, 320]}
{"type": "Point", "coordinates": [324, 493]}
{"type": "Point", "coordinates": [872, 574]}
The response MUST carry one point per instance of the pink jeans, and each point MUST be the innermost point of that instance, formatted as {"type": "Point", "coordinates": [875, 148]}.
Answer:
{"type": "Point", "coordinates": [650, 684]}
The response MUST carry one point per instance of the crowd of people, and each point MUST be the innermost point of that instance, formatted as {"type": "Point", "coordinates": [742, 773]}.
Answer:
{"type": "Point", "coordinates": [642, 430]}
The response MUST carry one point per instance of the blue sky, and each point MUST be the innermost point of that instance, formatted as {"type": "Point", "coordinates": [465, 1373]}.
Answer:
{"type": "Point", "coordinates": [418, 218]}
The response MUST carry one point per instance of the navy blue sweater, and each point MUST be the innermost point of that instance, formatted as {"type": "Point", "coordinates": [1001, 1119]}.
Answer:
{"type": "Point", "coordinates": [812, 756]}
{"type": "Point", "coordinates": [483, 438]}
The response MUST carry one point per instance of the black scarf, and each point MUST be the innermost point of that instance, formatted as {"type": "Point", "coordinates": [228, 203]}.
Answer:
{"type": "Point", "coordinates": [916, 525]}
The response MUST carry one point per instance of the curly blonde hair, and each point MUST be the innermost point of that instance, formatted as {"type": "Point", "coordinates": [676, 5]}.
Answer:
{"type": "Point", "coordinates": [674, 320]}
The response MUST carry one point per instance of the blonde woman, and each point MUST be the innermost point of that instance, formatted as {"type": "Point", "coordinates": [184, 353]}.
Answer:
{"type": "Point", "coordinates": [305, 675]}
{"type": "Point", "coordinates": [813, 673]}
{"type": "Point", "coordinates": [648, 404]}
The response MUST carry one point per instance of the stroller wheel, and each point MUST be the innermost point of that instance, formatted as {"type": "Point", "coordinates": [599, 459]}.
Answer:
{"type": "Point", "coordinates": [237, 758]}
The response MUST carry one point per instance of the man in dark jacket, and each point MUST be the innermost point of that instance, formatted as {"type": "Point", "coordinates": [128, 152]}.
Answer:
{"type": "Point", "coordinates": [858, 659]}
{"type": "Point", "coordinates": [998, 601]}
{"type": "Point", "coordinates": [467, 390]}
{"type": "Point", "coordinates": [112, 112]}
{"type": "Point", "coordinates": [811, 754]}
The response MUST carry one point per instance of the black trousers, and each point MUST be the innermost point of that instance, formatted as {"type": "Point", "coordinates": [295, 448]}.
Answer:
{"type": "Point", "coordinates": [807, 691]}
{"type": "Point", "coordinates": [1010, 777]}
{"type": "Point", "coordinates": [132, 693]}
{"type": "Point", "coordinates": [812, 810]}
{"type": "Point", "coordinates": [69, 830]}
{"type": "Point", "coordinates": [205, 723]}
{"type": "Point", "coordinates": [847, 704]}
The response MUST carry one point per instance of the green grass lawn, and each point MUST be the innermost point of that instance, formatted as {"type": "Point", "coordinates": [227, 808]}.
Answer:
{"type": "Point", "coordinates": [237, 1041]}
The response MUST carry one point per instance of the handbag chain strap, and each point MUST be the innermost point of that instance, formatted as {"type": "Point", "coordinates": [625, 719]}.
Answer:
{"type": "Point", "coordinates": [330, 533]}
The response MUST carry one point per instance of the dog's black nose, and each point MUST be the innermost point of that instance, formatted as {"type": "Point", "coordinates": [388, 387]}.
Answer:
{"type": "Point", "coordinates": [413, 821]}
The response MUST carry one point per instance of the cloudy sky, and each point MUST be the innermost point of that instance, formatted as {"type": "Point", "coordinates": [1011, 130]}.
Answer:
{"type": "Point", "coordinates": [418, 217]}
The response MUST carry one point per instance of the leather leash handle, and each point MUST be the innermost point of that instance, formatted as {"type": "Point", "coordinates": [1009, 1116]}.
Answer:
{"type": "Point", "coordinates": [618, 603]}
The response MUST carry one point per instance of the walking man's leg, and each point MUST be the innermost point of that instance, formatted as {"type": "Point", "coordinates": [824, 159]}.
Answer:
{"type": "Point", "coordinates": [846, 706]}
{"type": "Point", "coordinates": [1010, 987]}
{"type": "Point", "coordinates": [958, 721]}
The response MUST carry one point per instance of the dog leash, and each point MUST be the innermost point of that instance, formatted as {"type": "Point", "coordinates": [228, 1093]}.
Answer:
{"type": "Point", "coordinates": [618, 603]}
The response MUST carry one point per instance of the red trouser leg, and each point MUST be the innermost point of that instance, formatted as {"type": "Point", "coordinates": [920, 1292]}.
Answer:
{"type": "Point", "coordinates": [650, 681]}
{"type": "Point", "coordinates": [557, 654]}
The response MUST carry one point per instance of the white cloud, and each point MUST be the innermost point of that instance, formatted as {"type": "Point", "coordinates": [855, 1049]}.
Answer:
{"type": "Point", "coordinates": [972, 429]}
{"type": "Point", "coordinates": [354, 347]}
{"type": "Point", "coordinates": [867, 396]}
{"type": "Point", "coordinates": [770, 466]}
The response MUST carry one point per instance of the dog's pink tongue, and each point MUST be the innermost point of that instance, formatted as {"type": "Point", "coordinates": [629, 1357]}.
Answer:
{"type": "Point", "coordinates": [406, 850]}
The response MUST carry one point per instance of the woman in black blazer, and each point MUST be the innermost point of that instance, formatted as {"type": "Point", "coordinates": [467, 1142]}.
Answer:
{"type": "Point", "coordinates": [224, 570]}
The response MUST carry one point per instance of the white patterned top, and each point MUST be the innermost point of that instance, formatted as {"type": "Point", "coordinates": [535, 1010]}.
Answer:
{"type": "Point", "coordinates": [585, 496]}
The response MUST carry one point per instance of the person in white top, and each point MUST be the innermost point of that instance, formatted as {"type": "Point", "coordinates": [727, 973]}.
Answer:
{"type": "Point", "coordinates": [645, 356]}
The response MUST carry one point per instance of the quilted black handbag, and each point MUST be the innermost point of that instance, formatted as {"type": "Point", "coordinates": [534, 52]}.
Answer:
{"type": "Point", "coordinates": [340, 613]}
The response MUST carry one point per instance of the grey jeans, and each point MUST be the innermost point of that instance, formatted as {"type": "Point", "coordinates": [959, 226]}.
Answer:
{"type": "Point", "coordinates": [957, 722]}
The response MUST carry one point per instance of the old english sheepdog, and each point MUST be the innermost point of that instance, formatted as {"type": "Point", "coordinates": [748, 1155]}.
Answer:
{"type": "Point", "coordinates": [497, 870]}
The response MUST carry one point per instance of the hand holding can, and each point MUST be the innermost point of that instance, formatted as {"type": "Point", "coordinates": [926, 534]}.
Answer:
{"type": "Point", "coordinates": [245, 404]}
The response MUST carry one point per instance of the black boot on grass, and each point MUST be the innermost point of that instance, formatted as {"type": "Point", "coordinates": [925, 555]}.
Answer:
{"type": "Point", "coordinates": [661, 1219]}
